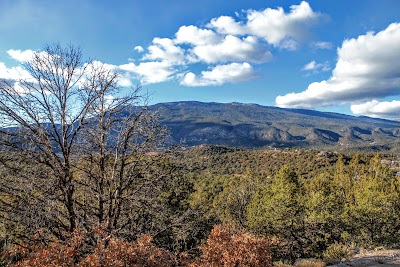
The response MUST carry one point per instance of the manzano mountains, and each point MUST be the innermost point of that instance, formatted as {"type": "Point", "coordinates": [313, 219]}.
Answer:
{"type": "Point", "coordinates": [251, 125]}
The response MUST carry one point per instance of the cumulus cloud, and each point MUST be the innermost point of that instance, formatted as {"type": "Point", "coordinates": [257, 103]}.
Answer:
{"type": "Point", "coordinates": [145, 72]}
{"type": "Point", "coordinates": [223, 41]}
{"type": "Point", "coordinates": [228, 25]}
{"type": "Point", "coordinates": [150, 72]}
{"type": "Point", "coordinates": [95, 64]}
{"type": "Point", "coordinates": [274, 25]}
{"type": "Point", "coordinates": [233, 49]}
{"type": "Point", "coordinates": [374, 108]}
{"type": "Point", "coordinates": [221, 74]}
{"type": "Point", "coordinates": [124, 77]}
{"type": "Point", "coordinates": [21, 56]}
{"type": "Point", "coordinates": [196, 36]}
{"type": "Point", "coordinates": [316, 67]}
{"type": "Point", "coordinates": [139, 49]}
{"type": "Point", "coordinates": [224, 44]}
{"type": "Point", "coordinates": [367, 68]}
{"type": "Point", "coordinates": [164, 49]}
{"type": "Point", "coordinates": [13, 73]}
{"type": "Point", "coordinates": [21, 90]}
{"type": "Point", "coordinates": [165, 56]}
{"type": "Point", "coordinates": [310, 66]}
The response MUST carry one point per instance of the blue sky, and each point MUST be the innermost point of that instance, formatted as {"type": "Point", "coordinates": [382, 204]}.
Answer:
{"type": "Point", "coordinates": [341, 56]}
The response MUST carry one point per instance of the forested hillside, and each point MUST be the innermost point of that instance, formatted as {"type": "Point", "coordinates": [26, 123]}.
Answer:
{"type": "Point", "coordinates": [305, 203]}
{"type": "Point", "coordinates": [256, 126]}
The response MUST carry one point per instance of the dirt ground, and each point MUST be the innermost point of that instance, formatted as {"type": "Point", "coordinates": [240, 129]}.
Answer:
{"type": "Point", "coordinates": [380, 258]}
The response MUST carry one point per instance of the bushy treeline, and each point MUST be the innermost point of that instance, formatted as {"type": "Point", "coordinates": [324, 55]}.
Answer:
{"type": "Point", "coordinates": [355, 201]}
{"type": "Point", "coordinates": [278, 204]}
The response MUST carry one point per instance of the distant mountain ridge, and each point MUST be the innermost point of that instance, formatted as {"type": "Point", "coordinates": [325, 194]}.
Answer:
{"type": "Point", "coordinates": [253, 125]}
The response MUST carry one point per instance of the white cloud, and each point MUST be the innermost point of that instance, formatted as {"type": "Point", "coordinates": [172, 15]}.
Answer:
{"type": "Point", "coordinates": [322, 45]}
{"type": "Point", "coordinates": [109, 100]}
{"type": "Point", "coordinates": [221, 74]}
{"type": "Point", "coordinates": [310, 66]}
{"type": "Point", "coordinates": [224, 41]}
{"type": "Point", "coordinates": [95, 64]}
{"type": "Point", "coordinates": [374, 108]}
{"type": "Point", "coordinates": [150, 72]}
{"type": "Point", "coordinates": [164, 49]}
{"type": "Point", "coordinates": [228, 25]}
{"type": "Point", "coordinates": [367, 68]}
{"type": "Point", "coordinates": [21, 56]}
{"type": "Point", "coordinates": [21, 90]}
{"type": "Point", "coordinates": [233, 49]}
{"type": "Point", "coordinates": [13, 73]}
{"type": "Point", "coordinates": [202, 45]}
{"type": "Point", "coordinates": [227, 45]}
{"type": "Point", "coordinates": [146, 72]}
{"type": "Point", "coordinates": [316, 67]}
{"type": "Point", "coordinates": [274, 25]}
{"type": "Point", "coordinates": [289, 44]}
{"type": "Point", "coordinates": [124, 78]}
{"type": "Point", "coordinates": [139, 49]}
{"type": "Point", "coordinates": [25, 55]}
{"type": "Point", "coordinates": [196, 36]}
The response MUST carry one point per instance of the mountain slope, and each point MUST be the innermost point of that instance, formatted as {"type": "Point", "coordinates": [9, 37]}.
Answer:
{"type": "Point", "coordinates": [251, 125]}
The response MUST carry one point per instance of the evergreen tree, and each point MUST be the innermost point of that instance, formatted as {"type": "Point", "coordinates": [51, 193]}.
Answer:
{"type": "Point", "coordinates": [277, 209]}
{"type": "Point", "coordinates": [374, 213]}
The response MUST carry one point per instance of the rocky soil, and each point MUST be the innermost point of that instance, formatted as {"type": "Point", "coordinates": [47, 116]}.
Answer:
{"type": "Point", "coordinates": [374, 258]}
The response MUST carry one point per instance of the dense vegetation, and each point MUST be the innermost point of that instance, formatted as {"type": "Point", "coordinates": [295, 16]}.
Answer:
{"type": "Point", "coordinates": [300, 197]}
{"type": "Point", "coordinates": [256, 126]}
{"type": "Point", "coordinates": [302, 203]}
{"type": "Point", "coordinates": [83, 183]}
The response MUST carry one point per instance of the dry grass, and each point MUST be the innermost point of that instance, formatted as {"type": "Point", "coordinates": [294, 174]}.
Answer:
{"type": "Point", "coordinates": [301, 263]}
{"type": "Point", "coordinates": [281, 264]}
{"type": "Point", "coordinates": [310, 263]}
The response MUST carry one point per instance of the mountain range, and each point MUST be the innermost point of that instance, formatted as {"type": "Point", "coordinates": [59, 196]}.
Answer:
{"type": "Point", "coordinates": [250, 125]}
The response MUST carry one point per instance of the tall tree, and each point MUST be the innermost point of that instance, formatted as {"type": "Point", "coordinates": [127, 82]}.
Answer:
{"type": "Point", "coordinates": [69, 109]}
{"type": "Point", "coordinates": [278, 209]}
{"type": "Point", "coordinates": [113, 145]}
{"type": "Point", "coordinates": [375, 212]}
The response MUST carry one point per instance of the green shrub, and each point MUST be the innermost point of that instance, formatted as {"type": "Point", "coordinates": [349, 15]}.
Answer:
{"type": "Point", "coordinates": [336, 252]}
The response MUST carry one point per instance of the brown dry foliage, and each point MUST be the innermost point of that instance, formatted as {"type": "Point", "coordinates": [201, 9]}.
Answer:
{"type": "Point", "coordinates": [54, 254]}
{"type": "Point", "coordinates": [227, 247]}
{"type": "Point", "coordinates": [120, 253]}
{"type": "Point", "coordinates": [108, 252]}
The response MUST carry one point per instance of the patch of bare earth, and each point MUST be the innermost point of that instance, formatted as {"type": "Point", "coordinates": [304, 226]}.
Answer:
{"type": "Point", "coordinates": [373, 258]}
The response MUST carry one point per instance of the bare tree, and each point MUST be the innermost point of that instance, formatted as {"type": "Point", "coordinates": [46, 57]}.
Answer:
{"type": "Point", "coordinates": [115, 143]}
{"type": "Point", "coordinates": [69, 116]}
